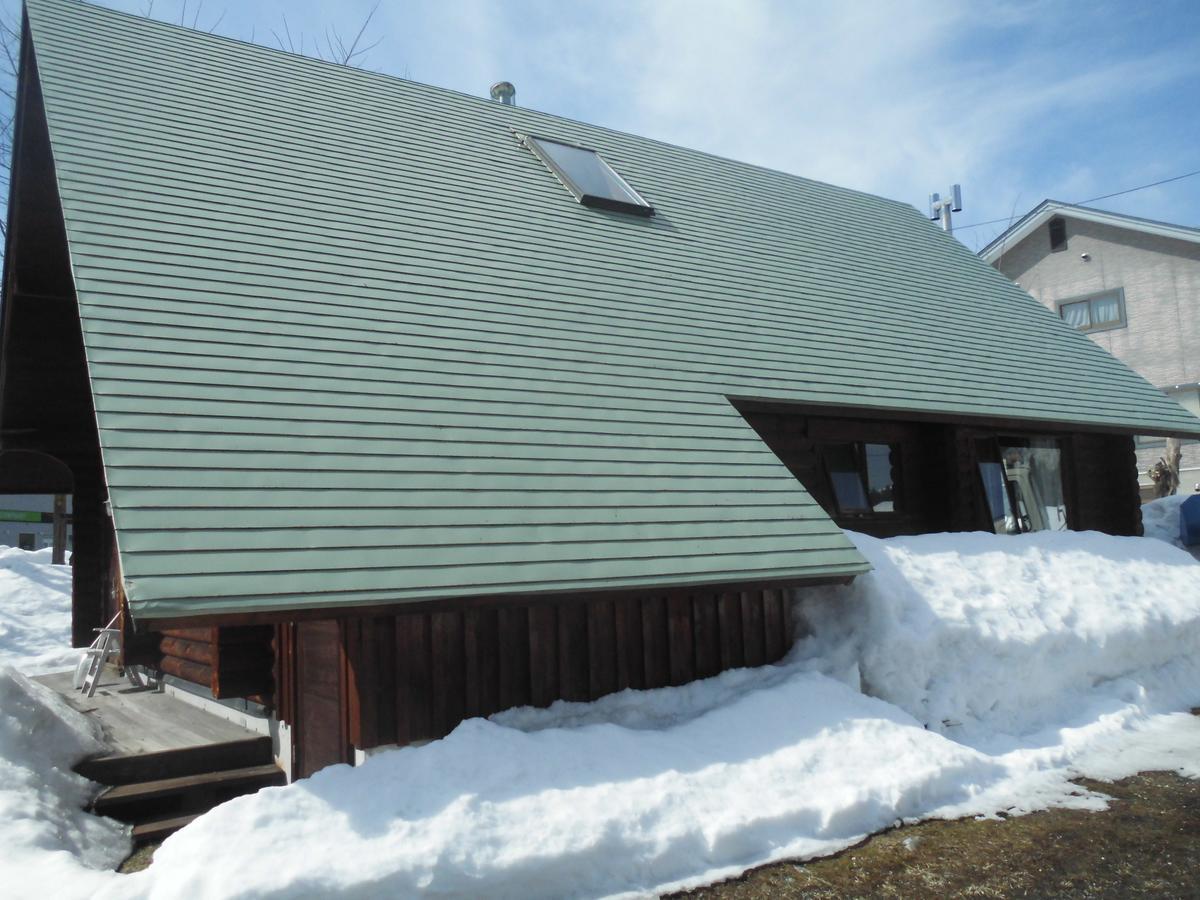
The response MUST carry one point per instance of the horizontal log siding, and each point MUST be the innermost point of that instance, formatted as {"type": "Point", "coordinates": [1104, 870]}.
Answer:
{"type": "Point", "coordinates": [188, 653]}
{"type": "Point", "coordinates": [415, 676]}
{"type": "Point", "coordinates": [230, 661]}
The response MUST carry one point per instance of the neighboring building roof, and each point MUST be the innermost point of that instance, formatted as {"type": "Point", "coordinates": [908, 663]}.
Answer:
{"type": "Point", "coordinates": [1048, 209]}
{"type": "Point", "coordinates": [350, 342]}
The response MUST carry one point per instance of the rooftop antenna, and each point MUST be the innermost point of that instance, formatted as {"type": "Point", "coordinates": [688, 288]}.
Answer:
{"type": "Point", "coordinates": [941, 209]}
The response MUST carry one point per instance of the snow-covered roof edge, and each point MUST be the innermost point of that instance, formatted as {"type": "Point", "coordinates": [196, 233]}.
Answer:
{"type": "Point", "coordinates": [1045, 210]}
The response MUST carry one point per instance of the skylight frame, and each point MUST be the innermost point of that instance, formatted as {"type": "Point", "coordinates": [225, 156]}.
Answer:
{"type": "Point", "coordinates": [638, 205]}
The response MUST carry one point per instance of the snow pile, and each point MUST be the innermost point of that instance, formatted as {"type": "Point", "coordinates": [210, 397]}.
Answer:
{"type": "Point", "coordinates": [35, 612]}
{"type": "Point", "coordinates": [754, 766]}
{"type": "Point", "coordinates": [1032, 660]}
{"type": "Point", "coordinates": [1160, 519]}
{"type": "Point", "coordinates": [988, 639]}
{"type": "Point", "coordinates": [48, 845]}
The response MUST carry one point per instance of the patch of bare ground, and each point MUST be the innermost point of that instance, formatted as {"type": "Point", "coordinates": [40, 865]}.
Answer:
{"type": "Point", "coordinates": [1146, 844]}
{"type": "Point", "coordinates": [139, 859]}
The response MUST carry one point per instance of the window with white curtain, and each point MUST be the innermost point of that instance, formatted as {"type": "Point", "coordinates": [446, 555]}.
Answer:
{"type": "Point", "coordinates": [1098, 313]}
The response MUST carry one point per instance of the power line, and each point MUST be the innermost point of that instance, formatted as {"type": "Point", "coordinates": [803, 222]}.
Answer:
{"type": "Point", "coordinates": [1142, 188]}
{"type": "Point", "coordinates": [1093, 199]}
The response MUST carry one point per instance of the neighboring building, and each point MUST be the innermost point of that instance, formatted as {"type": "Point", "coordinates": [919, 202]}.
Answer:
{"type": "Point", "coordinates": [1132, 285]}
{"type": "Point", "coordinates": [410, 406]}
{"type": "Point", "coordinates": [26, 521]}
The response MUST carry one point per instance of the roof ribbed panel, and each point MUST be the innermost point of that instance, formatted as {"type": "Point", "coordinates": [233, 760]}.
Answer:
{"type": "Point", "coordinates": [350, 342]}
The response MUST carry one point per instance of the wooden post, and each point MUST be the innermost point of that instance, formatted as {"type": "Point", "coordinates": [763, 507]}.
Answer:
{"type": "Point", "coordinates": [59, 553]}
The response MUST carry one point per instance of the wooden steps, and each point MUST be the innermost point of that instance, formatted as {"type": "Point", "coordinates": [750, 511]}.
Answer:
{"type": "Point", "coordinates": [121, 796]}
{"type": "Point", "coordinates": [155, 830]}
{"type": "Point", "coordinates": [127, 768]}
{"type": "Point", "coordinates": [160, 792]}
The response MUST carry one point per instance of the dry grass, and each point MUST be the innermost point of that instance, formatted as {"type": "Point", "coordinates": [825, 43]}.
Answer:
{"type": "Point", "coordinates": [139, 859]}
{"type": "Point", "coordinates": [1147, 844]}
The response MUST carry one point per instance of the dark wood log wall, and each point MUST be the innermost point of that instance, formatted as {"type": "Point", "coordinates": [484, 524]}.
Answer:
{"type": "Point", "coordinates": [937, 471]}
{"type": "Point", "coordinates": [927, 481]}
{"type": "Point", "coordinates": [235, 661]}
{"type": "Point", "coordinates": [1104, 487]}
{"type": "Point", "coordinates": [415, 676]}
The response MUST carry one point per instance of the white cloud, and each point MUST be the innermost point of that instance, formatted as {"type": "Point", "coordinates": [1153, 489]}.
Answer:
{"type": "Point", "coordinates": [898, 98]}
{"type": "Point", "coordinates": [885, 97]}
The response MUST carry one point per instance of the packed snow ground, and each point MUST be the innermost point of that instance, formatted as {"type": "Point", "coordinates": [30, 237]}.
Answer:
{"type": "Point", "coordinates": [49, 847]}
{"type": "Point", "coordinates": [966, 675]}
{"type": "Point", "coordinates": [35, 612]}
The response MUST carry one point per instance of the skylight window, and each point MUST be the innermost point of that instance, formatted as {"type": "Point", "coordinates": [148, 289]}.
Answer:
{"type": "Point", "coordinates": [588, 176]}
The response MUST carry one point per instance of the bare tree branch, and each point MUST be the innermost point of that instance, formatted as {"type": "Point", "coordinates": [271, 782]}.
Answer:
{"type": "Point", "coordinates": [334, 48]}
{"type": "Point", "coordinates": [354, 45]}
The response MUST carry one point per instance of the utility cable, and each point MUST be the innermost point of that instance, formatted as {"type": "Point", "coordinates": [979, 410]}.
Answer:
{"type": "Point", "coordinates": [1093, 199]}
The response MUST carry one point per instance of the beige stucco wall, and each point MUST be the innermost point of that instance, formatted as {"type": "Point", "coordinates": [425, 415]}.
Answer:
{"type": "Point", "coordinates": [1160, 278]}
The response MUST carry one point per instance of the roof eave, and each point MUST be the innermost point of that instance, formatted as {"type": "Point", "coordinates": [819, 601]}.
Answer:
{"type": "Point", "coordinates": [1045, 210]}
{"type": "Point", "coordinates": [246, 611]}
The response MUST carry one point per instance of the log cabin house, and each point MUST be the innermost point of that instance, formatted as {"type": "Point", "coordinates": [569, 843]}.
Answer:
{"type": "Point", "coordinates": [386, 406]}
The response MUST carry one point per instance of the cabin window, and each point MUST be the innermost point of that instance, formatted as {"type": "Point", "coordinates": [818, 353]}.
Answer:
{"type": "Point", "coordinates": [1098, 313]}
{"type": "Point", "coordinates": [1058, 235]}
{"type": "Point", "coordinates": [585, 174]}
{"type": "Point", "coordinates": [1023, 484]}
{"type": "Point", "coordinates": [861, 477]}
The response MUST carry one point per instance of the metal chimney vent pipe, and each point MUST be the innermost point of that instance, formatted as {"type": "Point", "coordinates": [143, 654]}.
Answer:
{"type": "Point", "coordinates": [505, 93]}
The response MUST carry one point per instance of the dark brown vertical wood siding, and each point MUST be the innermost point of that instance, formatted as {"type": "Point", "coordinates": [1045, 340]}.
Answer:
{"type": "Point", "coordinates": [415, 676]}
{"type": "Point", "coordinates": [322, 708]}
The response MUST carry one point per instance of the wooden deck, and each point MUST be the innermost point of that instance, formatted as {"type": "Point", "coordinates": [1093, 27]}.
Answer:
{"type": "Point", "coordinates": [136, 721]}
{"type": "Point", "coordinates": [166, 761]}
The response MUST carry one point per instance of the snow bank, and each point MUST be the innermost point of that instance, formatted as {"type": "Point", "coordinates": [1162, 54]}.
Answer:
{"type": "Point", "coordinates": [35, 612]}
{"type": "Point", "coordinates": [1160, 519]}
{"type": "Point", "coordinates": [1031, 660]}
{"type": "Point", "coordinates": [697, 784]}
{"type": "Point", "coordinates": [48, 845]}
{"type": "Point", "coordinates": [989, 639]}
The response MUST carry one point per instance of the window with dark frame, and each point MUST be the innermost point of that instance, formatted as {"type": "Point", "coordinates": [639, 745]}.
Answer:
{"type": "Point", "coordinates": [1022, 483]}
{"type": "Point", "coordinates": [861, 477]}
{"type": "Point", "coordinates": [587, 175]}
{"type": "Point", "coordinates": [1058, 234]}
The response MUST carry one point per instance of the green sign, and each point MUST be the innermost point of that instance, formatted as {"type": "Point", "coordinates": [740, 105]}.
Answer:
{"type": "Point", "coordinates": [21, 515]}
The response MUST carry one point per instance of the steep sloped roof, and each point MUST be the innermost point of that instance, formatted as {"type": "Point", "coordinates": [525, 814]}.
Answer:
{"type": "Point", "coordinates": [1048, 209]}
{"type": "Point", "coordinates": [350, 342]}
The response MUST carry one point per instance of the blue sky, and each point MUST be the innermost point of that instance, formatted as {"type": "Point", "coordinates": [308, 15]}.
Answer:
{"type": "Point", "coordinates": [1017, 101]}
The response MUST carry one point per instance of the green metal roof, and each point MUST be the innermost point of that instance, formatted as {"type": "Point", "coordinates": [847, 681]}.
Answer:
{"type": "Point", "coordinates": [351, 343]}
